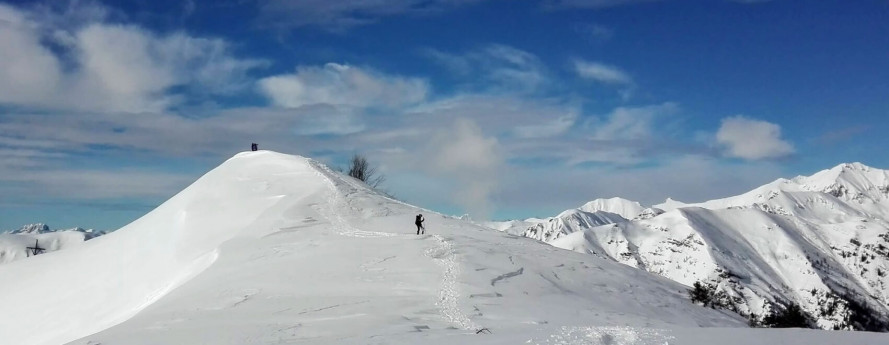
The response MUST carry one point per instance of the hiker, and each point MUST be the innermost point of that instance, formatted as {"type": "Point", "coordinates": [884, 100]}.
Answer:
{"type": "Point", "coordinates": [419, 223]}
{"type": "Point", "coordinates": [254, 147]}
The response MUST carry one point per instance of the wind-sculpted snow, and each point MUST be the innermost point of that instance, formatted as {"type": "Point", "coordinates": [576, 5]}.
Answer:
{"type": "Point", "coordinates": [819, 241]}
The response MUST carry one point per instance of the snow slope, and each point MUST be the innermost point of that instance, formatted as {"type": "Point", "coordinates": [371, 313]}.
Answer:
{"type": "Point", "coordinates": [276, 249]}
{"type": "Point", "coordinates": [820, 241]}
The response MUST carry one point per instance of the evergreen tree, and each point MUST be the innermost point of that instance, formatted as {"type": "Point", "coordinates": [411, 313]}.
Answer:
{"type": "Point", "coordinates": [701, 293]}
{"type": "Point", "coordinates": [790, 317]}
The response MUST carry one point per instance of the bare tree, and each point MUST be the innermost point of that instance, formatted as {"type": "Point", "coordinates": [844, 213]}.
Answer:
{"type": "Point", "coordinates": [361, 169]}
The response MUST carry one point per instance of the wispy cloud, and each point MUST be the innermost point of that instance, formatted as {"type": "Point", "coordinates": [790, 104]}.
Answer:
{"type": "Point", "coordinates": [601, 73]}
{"type": "Point", "coordinates": [337, 84]}
{"type": "Point", "coordinates": [496, 67]}
{"type": "Point", "coordinates": [841, 134]}
{"type": "Point", "coordinates": [631, 123]}
{"type": "Point", "coordinates": [344, 14]}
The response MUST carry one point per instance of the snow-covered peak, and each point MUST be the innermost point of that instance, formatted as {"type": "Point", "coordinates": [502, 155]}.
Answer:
{"type": "Point", "coordinates": [625, 208]}
{"type": "Point", "coordinates": [36, 228]}
{"type": "Point", "coordinates": [670, 204]}
{"type": "Point", "coordinates": [852, 181]}
{"type": "Point", "coordinates": [570, 221]}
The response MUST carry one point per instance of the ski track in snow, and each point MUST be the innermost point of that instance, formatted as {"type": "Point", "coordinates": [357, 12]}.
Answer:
{"type": "Point", "coordinates": [442, 253]}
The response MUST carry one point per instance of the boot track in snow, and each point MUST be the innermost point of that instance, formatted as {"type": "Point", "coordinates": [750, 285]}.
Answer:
{"type": "Point", "coordinates": [442, 253]}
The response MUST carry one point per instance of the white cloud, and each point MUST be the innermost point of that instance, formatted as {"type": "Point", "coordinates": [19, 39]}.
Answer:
{"type": "Point", "coordinates": [28, 70]}
{"type": "Point", "coordinates": [118, 64]}
{"type": "Point", "coordinates": [343, 85]}
{"type": "Point", "coordinates": [114, 68]}
{"type": "Point", "coordinates": [97, 68]}
{"type": "Point", "coordinates": [601, 73]}
{"type": "Point", "coordinates": [464, 153]}
{"type": "Point", "coordinates": [752, 139]}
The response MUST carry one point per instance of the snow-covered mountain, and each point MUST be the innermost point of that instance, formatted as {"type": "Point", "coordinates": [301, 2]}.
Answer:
{"type": "Point", "coordinates": [14, 244]}
{"type": "Point", "coordinates": [41, 228]}
{"type": "Point", "coordinates": [821, 241]}
{"type": "Point", "coordinates": [568, 222]}
{"type": "Point", "coordinates": [623, 207]}
{"type": "Point", "coordinates": [275, 249]}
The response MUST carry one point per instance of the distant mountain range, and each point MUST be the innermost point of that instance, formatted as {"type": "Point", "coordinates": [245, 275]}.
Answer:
{"type": "Point", "coordinates": [41, 228]}
{"type": "Point", "coordinates": [14, 243]}
{"type": "Point", "coordinates": [819, 241]}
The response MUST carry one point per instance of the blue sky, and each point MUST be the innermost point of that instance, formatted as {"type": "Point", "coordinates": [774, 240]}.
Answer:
{"type": "Point", "coordinates": [501, 109]}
